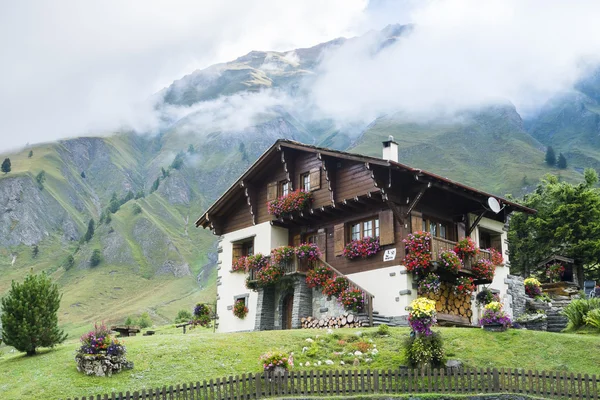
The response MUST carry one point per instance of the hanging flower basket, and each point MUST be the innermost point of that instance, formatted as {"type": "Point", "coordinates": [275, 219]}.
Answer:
{"type": "Point", "coordinates": [363, 248]}
{"type": "Point", "coordinates": [496, 257]}
{"type": "Point", "coordinates": [201, 315]}
{"type": "Point", "coordinates": [554, 272]}
{"type": "Point", "coordinates": [422, 316]}
{"type": "Point", "coordinates": [429, 284]}
{"type": "Point", "coordinates": [450, 262]}
{"type": "Point", "coordinates": [418, 253]}
{"type": "Point", "coordinates": [466, 248]}
{"type": "Point", "coordinates": [308, 251]}
{"type": "Point", "coordinates": [463, 286]}
{"type": "Point", "coordinates": [294, 201]}
{"type": "Point", "coordinates": [483, 269]}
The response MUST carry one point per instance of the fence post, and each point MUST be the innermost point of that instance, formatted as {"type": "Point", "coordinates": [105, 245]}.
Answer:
{"type": "Point", "coordinates": [496, 380]}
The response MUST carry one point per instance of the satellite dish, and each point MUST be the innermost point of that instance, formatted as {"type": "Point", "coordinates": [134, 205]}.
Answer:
{"type": "Point", "coordinates": [494, 205]}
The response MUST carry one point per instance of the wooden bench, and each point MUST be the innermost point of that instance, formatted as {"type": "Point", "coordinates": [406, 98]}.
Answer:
{"type": "Point", "coordinates": [183, 325]}
{"type": "Point", "coordinates": [126, 331]}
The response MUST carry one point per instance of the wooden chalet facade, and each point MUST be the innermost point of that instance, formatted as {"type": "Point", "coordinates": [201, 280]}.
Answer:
{"type": "Point", "coordinates": [354, 196]}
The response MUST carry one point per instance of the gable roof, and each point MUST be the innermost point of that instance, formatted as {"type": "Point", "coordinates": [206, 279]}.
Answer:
{"type": "Point", "coordinates": [204, 219]}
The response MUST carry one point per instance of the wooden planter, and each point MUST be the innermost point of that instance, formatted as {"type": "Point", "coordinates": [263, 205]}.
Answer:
{"type": "Point", "coordinates": [494, 328]}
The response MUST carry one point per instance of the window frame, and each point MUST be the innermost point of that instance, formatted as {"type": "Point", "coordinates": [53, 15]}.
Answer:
{"type": "Point", "coordinates": [375, 228]}
{"type": "Point", "coordinates": [305, 181]}
{"type": "Point", "coordinates": [451, 228]}
{"type": "Point", "coordinates": [491, 234]}
{"type": "Point", "coordinates": [283, 188]}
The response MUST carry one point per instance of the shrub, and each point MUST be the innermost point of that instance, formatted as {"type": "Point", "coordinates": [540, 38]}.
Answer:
{"type": "Point", "coordinates": [269, 275]}
{"type": "Point", "coordinates": [239, 309]}
{"type": "Point", "coordinates": [363, 248]}
{"type": "Point", "coordinates": [533, 287]}
{"type": "Point", "coordinates": [183, 316]}
{"type": "Point", "coordinates": [554, 272]}
{"type": "Point", "coordinates": [29, 315]}
{"type": "Point", "coordinates": [449, 261]}
{"type": "Point", "coordinates": [240, 265]}
{"type": "Point", "coordinates": [383, 330]}
{"type": "Point", "coordinates": [483, 269]}
{"type": "Point", "coordinates": [136, 209]}
{"type": "Point", "coordinates": [422, 316]}
{"type": "Point", "coordinates": [593, 318]}
{"type": "Point", "coordinates": [274, 359]}
{"type": "Point", "coordinates": [463, 286]}
{"type": "Point", "coordinates": [418, 253]}
{"type": "Point", "coordinates": [466, 248]}
{"type": "Point", "coordinates": [69, 262]}
{"type": "Point", "coordinates": [282, 254]}
{"type": "Point", "coordinates": [294, 201]}
{"type": "Point", "coordinates": [129, 321]}
{"type": "Point", "coordinates": [493, 314]}
{"type": "Point", "coordinates": [429, 284]}
{"type": "Point", "coordinates": [96, 258]}
{"type": "Point", "coordinates": [308, 251]}
{"type": "Point", "coordinates": [144, 321]}
{"type": "Point", "coordinates": [318, 276]}
{"type": "Point", "coordinates": [425, 350]}
{"type": "Point", "coordinates": [352, 299]}
{"type": "Point", "coordinates": [362, 346]}
{"type": "Point", "coordinates": [577, 311]}
{"type": "Point", "coordinates": [335, 286]}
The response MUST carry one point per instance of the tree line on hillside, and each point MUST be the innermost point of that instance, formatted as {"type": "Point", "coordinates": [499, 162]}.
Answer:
{"type": "Point", "coordinates": [553, 161]}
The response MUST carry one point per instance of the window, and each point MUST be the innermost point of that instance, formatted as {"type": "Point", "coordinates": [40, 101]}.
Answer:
{"type": "Point", "coordinates": [284, 188]}
{"type": "Point", "coordinates": [243, 248]}
{"type": "Point", "coordinates": [311, 238]}
{"type": "Point", "coordinates": [305, 181]}
{"type": "Point", "coordinates": [363, 229]}
{"type": "Point", "coordinates": [490, 240]}
{"type": "Point", "coordinates": [438, 228]}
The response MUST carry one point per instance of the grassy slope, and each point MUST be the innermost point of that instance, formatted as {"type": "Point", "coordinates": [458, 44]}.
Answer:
{"type": "Point", "coordinates": [170, 357]}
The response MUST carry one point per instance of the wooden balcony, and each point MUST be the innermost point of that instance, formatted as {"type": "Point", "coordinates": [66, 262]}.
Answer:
{"type": "Point", "coordinates": [439, 245]}
{"type": "Point", "coordinates": [293, 266]}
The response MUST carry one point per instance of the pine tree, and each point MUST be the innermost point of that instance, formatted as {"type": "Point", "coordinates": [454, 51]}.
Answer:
{"type": "Point", "coordinates": [35, 251]}
{"type": "Point", "coordinates": [562, 161]}
{"type": "Point", "coordinates": [29, 317]}
{"type": "Point", "coordinates": [40, 178]}
{"type": "Point", "coordinates": [96, 258]}
{"type": "Point", "coordinates": [155, 185]}
{"type": "Point", "coordinates": [30, 153]}
{"type": "Point", "coordinates": [83, 174]}
{"type": "Point", "coordinates": [114, 204]}
{"type": "Point", "coordinates": [550, 156]}
{"type": "Point", "coordinates": [6, 165]}
{"type": "Point", "coordinates": [90, 231]}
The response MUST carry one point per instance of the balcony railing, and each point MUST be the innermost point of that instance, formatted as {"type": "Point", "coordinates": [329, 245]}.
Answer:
{"type": "Point", "coordinates": [294, 266]}
{"type": "Point", "coordinates": [439, 245]}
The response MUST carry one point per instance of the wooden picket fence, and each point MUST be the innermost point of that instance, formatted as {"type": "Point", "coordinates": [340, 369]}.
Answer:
{"type": "Point", "coordinates": [550, 385]}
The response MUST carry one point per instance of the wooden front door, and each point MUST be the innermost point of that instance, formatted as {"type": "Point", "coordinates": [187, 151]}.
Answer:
{"type": "Point", "coordinates": [286, 315]}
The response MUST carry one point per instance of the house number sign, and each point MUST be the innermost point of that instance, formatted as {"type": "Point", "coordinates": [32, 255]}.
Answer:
{"type": "Point", "coordinates": [389, 255]}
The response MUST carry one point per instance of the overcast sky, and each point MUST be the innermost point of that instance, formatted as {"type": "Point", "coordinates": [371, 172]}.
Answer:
{"type": "Point", "coordinates": [71, 68]}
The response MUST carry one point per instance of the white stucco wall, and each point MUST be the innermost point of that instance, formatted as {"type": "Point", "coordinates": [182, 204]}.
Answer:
{"type": "Point", "coordinates": [231, 284]}
{"type": "Point", "coordinates": [501, 272]}
{"type": "Point", "coordinates": [386, 285]}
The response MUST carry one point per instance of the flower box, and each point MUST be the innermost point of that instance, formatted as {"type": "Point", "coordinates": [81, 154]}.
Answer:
{"type": "Point", "coordinates": [294, 201]}
{"type": "Point", "coordinates": [494, 327]}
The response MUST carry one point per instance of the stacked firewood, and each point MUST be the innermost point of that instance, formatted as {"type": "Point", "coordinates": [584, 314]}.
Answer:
{"type": "Point", "coordinates": [446, 302]}
{"type": "Point", "coordinates": [344, 321]}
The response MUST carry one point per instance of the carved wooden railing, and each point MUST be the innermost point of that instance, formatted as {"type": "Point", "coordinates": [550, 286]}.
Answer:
{"type": "Point", "coordinates": [293, 266]}
{"type": "Point", "coordinates": [439, 245]}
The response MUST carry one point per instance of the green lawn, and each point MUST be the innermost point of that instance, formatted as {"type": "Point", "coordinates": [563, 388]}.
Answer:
{"type": "Point", "coordinates": [170, 358]}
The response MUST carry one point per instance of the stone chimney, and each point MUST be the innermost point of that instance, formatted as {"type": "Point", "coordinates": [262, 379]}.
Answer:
{"type": "Point", "coordinates": [390, 149]}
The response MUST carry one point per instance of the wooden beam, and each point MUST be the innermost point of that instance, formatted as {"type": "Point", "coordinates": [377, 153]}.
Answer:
{"type": "Point", "coordinates": [397, 212]}
{"type": "Point", "coordinates": [329, 168]}
{"type": "Point", "coordinates": [417, 198]}
{"type": "Point", "coordinates": [249, 192]}
{"type": "Point", "coordinates": [472, 227]}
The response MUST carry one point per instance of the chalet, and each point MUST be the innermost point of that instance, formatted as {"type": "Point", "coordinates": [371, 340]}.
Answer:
{"type": "Point", "coordinates": [352, 197]}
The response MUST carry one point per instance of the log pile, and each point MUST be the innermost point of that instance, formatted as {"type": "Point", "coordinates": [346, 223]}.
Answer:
{"type": "Point", "coordinates": [446, 302]}
{"type": "Point", "coordinates": [343, 321]}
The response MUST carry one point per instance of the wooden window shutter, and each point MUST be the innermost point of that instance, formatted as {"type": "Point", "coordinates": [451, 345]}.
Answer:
{"type": "Point", "coordinates": [322, 244]}
{"type": "Point", "coordinates": [416, 221]}
{"type": "Point", "coordinates": [386, 227]}
{"type": "Point", "coordinates": [237, 251]}
{"type": "Point", "coordinates": [272, 191]}
{"type": "Point", "coordinates": [461, 230]}
{"type": "Point", "coordinates": [497, 242]}
{"type": "Point", "coordinates": [296, 240]}
{"type": "Point", "coordinates": [315, 179]}
{"type": "Point", "coordinates": [339, 239]}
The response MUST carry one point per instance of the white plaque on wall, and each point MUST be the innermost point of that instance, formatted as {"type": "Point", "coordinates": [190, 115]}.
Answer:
{"type": "Point", "coordinates": [389, 255]}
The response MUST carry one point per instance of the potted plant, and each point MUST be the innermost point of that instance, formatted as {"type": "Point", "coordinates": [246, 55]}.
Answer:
{"type": "Point", "coordinates": [335, 286]}
{"type": "Point", "coordinates": [483, 269]}
{"type": "Point", "coordinates": [294, 201]}
{"type": "Point", "coordinates": [276, 362]}
{"type": "Point", "coordinates": [485, 296]}
{"type": "Point", "coordinates": [496, 257]}
{"type": "Point", "coordinates": [554, 272]}
{"type": "Point", "coordinates": [363, 248]}
{"type": "Point", "coordinates": [352, 299]}
{"type": "Point", "coordinates": [100, 354]}
{"type": "Point", "coordinates": [463, 286]}
{"type": "Point", "coordinates": [318, 276]}
{"type": "Point", "coordinates": [418, 253]}
{"type": "Point", "coordinates": [282, 255]}
{"type": "Point", "coordinates": [533, 287]}
{"type": "Point", "coordinates": [239, 309]}
{"type": "Point", "coordinates": [494, 319]}
{"type": "Point", "coordinates": [466, 248]}
{"type": "Point", "coordinates": [307, 253]}
{"type": "Point", "coordinates": [422, 316]}
{"type": "Point", "coordinates": [450, 262]}
{"type": "Point", "coordinates": [201, 315]}
{"type": "Point", "coordinates": [240, 265]}
{"type": "Point", "coordinates": [429, 284]}
{"type": "Point", "coordinates": [269, 275]}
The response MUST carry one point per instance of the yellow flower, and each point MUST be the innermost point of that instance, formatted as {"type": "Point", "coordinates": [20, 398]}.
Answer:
{"type": "Point", "coordinates": [494, 306]}
{"type": "Point", "coordinates": [532, 282]}
{"type": "Point", "coordinates": [422, 307]}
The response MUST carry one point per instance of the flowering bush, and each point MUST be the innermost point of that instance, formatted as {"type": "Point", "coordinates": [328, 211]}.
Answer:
{"type": "Point", "coordinates": [485, 297]}
{"type": "Point", "coordinates": [239, 309]}
{"type": "Point", "coordinates": [554, 272]}
{"type": "Point", "coordinates": [308, 251]}
{"type": "Point", "coordinates": [418, 253]}
{"type": "Point", "coordinates": [484, 269]}
{"type": "Point", "coordinates": [257, 261]}
{"type": "Point", "coordinates": [240, 265]}
{"type": "Point", "coordinates": [533, 287]}
{"type": "Point", "coordinates": [422, 315]}
{"type": "Point", "coordinates": [274, 359]}
{"type": "Point", "coordinates": [318, 276]}
{"type": "Point", "coordinates": [466, 248]}
{"type": "Point", "coordinates": [496, 257]}
{"type": "Point", "coordinates": [294, 201]}
{"type": "Point", "coordinates": [463, 286]}
{"type": "Point", "coordinates": [201, 315]}
{"type": "Point", "coordinates": [493, 314]}
{"type": "Point", "coordinates": [282, 254]}
{"type": "Point", "coordinates": [429, 284]}
{"type": "Point", "coordinates": [100, 341]}
{"type": "Point", "coordinates": [365, 247]}
{"type": "Point", "coordinates": [352, 299]}
{"type": "Point", "coordinates": [335, 286]}
{"type": "Point", "coordinates": [269, 275]}
{"type": "Point", "coordinates": [449, 261]}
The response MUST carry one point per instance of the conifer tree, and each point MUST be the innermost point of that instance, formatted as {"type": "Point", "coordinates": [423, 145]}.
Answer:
{"type": "Point", "coordinates": [30, 154]}
{"type": "Point", "coordinates": [35, 251]}
{"type": "Point", "coordinates": [90, 231]}
{"type": "Point", "coordinates": [6, 166]}
{"type": "Point", "coordinates": [29, 315]}
{"type": "Point", "coordinates": [550, 156]}
{"type": "Point", "coordinates": [96, 258]}
{"type": "Point", "coordinates": [562, 161]}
